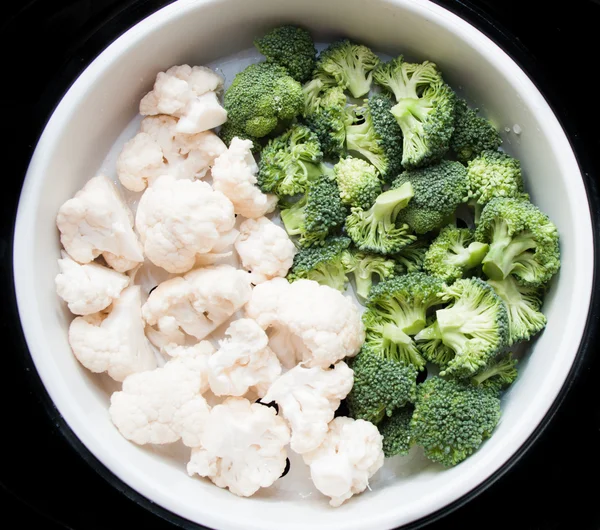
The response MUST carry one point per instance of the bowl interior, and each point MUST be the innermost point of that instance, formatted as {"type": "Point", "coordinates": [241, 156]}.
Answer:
{"type": "Point", "coordinates": [91, 119]}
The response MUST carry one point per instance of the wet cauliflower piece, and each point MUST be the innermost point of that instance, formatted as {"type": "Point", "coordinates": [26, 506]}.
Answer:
{"type": "Point", "coordinates": [242, 447]}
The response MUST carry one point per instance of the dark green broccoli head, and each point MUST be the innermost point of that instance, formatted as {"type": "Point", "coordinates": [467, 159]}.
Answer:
{"type": "Point", "coordinates": [438, 191]}
{"type": "Point", "coordinates": [472, 133]}
{"type": "Point", "coordinates": [498, 375]}
{"type": "Point", "coordinates": [411, 257]}
{"type": "Point", "coordinates": [291, 47]}
{"type": "Point", "coordinates": [452, 419]}
{"type": "Point", "coordinates": [364, 267]}
{"type": "Point", "coordinates": [395, 429]}
{"type": "Point", "coordinates": [327, 119]}
{"type": "Point", "coordinates": [261, 97]}
{"type": "Point", "coordinates": [358, 182]}
{"type": "Point", "coordinates": [380, 386]}
{"type": "Point", "coordinates": [523, 242]}
{"type": "Point", "coordinates": [229, 131]}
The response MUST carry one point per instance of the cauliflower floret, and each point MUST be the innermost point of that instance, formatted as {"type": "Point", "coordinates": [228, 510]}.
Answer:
{"type": "Point", "coordinates": [234, 174]}
{"type": "Point", "coordinates": [308, 399]}
{"type": "Point", "coordinates": [307, 322]}
{"type": "Point", "coordinates": [242, 447]}
{"type": "Point", "coordinates": [243, 362]}
{"type": "Point", "coordinates": [188, 93]}
{"type": "Point", "coordinates": [114, 343]}
{"type": "Point", "coordinates": [350, 455]}
{"type": "Point", "coordinates": [194, 304]}
{"type": "Point", "coordinates": [88, 288]}
{"type": "Point", "coordinates": [222, 250]}
{"type": "Point", "coordinates": [265, 249]}
{"type": "Point", "coordinates": [166, 404]}
{"type": "Point", "coordinates": [158, 150]}
{"type": "Point", "coordinates": [179, 219]}
{"type": "Point", "coordinates": [97, 221]}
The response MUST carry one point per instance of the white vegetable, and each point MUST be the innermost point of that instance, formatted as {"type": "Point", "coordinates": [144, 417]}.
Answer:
{"type": "Point", "coordinates": [180, 219]}
{"type": "Point", "coordinates": [114, 343]}
{"type": "Point", "coordinates": [307, 322]}
{"type": "Point", "coordinates": [187, 93]}
{"type": "Point", "coordinates": [242, 447]}
{"type": "Point", "coordinates": [308, 399]}
{"type": "Point", "coordinates": [97, 221]}
{"type": "Point", "coordinates": [265, 249]}
{"type": "Point", "coordinates": [163, 405]}
{"type": "Point", "coordinates": [88, 288]}
{"type": "Point", "coordinates": [194, 304]}
{"type": "Point", "coordinates": [243, 361]}
{"type": "Point", "coordinates": [350, 455]}
{"type": "Point", "coordinates": [234, 174]}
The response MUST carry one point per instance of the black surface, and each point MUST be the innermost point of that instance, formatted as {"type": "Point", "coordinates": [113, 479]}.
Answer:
{"type": "Point", "coordinates": [45, 483]}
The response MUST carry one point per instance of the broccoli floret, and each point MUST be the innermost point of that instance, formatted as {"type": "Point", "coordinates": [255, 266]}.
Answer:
{"type": "Point", "coordinates": [474, 325]}
{"type": "Point", "coordinates": [397, 436]}
{"type": "Point", "coordinates": [289, 161]}
{"type": "Point", "coordinates": [326, 117]}
{"type": "Point", "coordinates": [411, 257]}
{"type": "Point", "coordinates": [493, 174]}
{"type": "Point", "coordinates": [358, 182]}
{"type": "Point", "coordinates": [373, 133]}
{"type": "Point", "coordinates": [438, 191]}
{"type": "Point", "coordinates": [424, 109]}
{"type": "Point", "coordinates": [453, 252]}
{"type": "Point", "coordinates": [396, 309]}
{"type": "Point", "coordinates": [472, 133]}
{"type": "Point", "coordinates": [381, 385]}
{"type": "Point", "coordinates": [523, 242]}
{"type": "Point", "coordinates": [498, 375]}
{"type": "Point", "coordinates": [434, 350]}
{"type": "Point", "coordinates": [350, 64]}
{"type": "Point", "coordinates": [523, 304]}
{"type": "Point", "coordinates": [323, 264]}
{"type": "Point", "coordinates": [261, 97]}
{"type": "Point", "coordinates": [375, 229]}
{"type": "Point", "coordinates": [291, 47]}
{"type": "Point", "coordinates": [452, 419]}
{"type": "Point", "coordinates": [364, 267]}
{"type": "Point", "coordinates": [229, 131]}
{"type": "Point", "coordinates": [317, 214]}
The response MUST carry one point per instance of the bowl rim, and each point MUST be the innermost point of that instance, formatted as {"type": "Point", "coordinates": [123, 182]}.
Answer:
{"type": "Point", "coordinates": [94, 69]}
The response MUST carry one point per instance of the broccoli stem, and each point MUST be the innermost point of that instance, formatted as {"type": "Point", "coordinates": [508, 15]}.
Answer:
{"type": "Point", "coordinates": [358, 84]}
{"type": "Point", "coordinates": [364, 282]}
{"type": "Point", "coordinates": [505, 367]}
{"type": "Point", "coordinates": [469, 257]}
{"type": "Point", "coordinates": [389, 203]}
{"type": "Point", "coordinates": [411, 112]}
{"type": "Point", "coordinates": [499, 262]}
{"type": "Point", "coordinates": [293, 219]}
{"type": "Point", "coordinates": [429, 333]}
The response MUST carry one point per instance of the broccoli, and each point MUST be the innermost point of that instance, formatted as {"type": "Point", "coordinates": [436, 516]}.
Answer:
{"type": "Point", "coordinates": [523, 304]}
{"type": "Point", "coordinates": [375, 229]}
{"type": "Point", "coordinates": [424, 109]}
{"type": "Point", "coordinates": [381, 385]}
{"type": "Point", "coordinates": [438, 191]}
{"type": "Point", "coordinates": [291, 47]}
{"type": "Point", "coordinates": [322, 264]}
{"type": "Point", "coordinates": [411, 257]}
{"type": "Point", "coordinates": [327, 121]}
{"type": "Point", "coordinates": [229, 131]}
{"type": "Point", "coordinates": [453, 252]}
{"type": "Point", "coordinates": [474, 325]}
{"type": "Point", "coordinates": [452, 419]}
{"type": "Point", "coordinates": [349, 64]}
{"type": "Point", "coordinates": [364, 267]}
{"type": "Point", "coordinates": [498, 375]}
{"type": "Point", "coordinates": [523, 242]}
{"type": "Point", "coordinates": [314, 91]}
{"type": "Point", "coordinates": [289, 161]}
{"type": "Point", "coordinates": [396, 309]}
{"type": "Point", "coordinates": [434, 350]}
{"type": "Point", "coordinates": [358, 182]}
{"type": "Point", "coordinates": [373, 133]}
{"type": "Point", "coordinates": [472, 133]}
{"type": "Point", "coordinates": [261, 97]}
{"type": "Point", "coordinates": [395, 429]}
{"type": "Point", "coordinates": [318, 213]}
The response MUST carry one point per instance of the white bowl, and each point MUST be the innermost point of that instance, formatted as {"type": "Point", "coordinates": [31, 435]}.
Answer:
{"type": "Point", "coordinates": [104, 100]}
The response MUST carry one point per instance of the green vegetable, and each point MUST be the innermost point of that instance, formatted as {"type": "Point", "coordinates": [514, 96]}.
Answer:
{"type": "Point", "coordinates": [358, 182]}
{"type": "Point", "coordinates": [472, 133]}
{"type": "Point", "coordinates": [411, 257]}
{"type": "Point", "coordinates": [364, 267]}
{"type": "Point", "coordinates": [396, 432]}
{"type": "Point", "coordinates": [326, 117]}
{"type": "Point", "coordinates": [498, 375]}
{"type": "Point", "coordinates": [229, 131]}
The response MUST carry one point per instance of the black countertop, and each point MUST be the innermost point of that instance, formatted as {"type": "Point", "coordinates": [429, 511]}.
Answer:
{"type": "Point", "coordinates": [46, 484]}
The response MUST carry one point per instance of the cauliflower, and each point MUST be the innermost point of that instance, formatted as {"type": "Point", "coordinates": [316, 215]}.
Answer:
{"type": "Point", "coordinates": [265, 249]}
{"type": "Point", "coordinates": [308, 399]}
{"type": "Point", "coordinates": [158, 150]}
{"type": "Point", "coordinates": [166, 404]}
{"type": "Point", "coordinates": [97, 221]}
{"type": "Point", "coordinates": [242, 447]}
{"type": "Point", "coordinates": [188, 93]}
{"type": "Point", "coordinates": [350, 455]}
{"type": "Point", "coordinates": [194, 304]}
{"type": "Point", "coordinates": [234, 174]}
{"type": "Point", "coordinates": [222, 250]}
{"type": "Point", "coordinates": [243, 362]}
{"type": "Point", "coordinates": [114, 343]}
{"type": "Point", "coordinates": [309, 323]}
{"type": "Point", "coordinates": [180, 219]}
{"type": "Point", "coordinates": [88, 288]}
